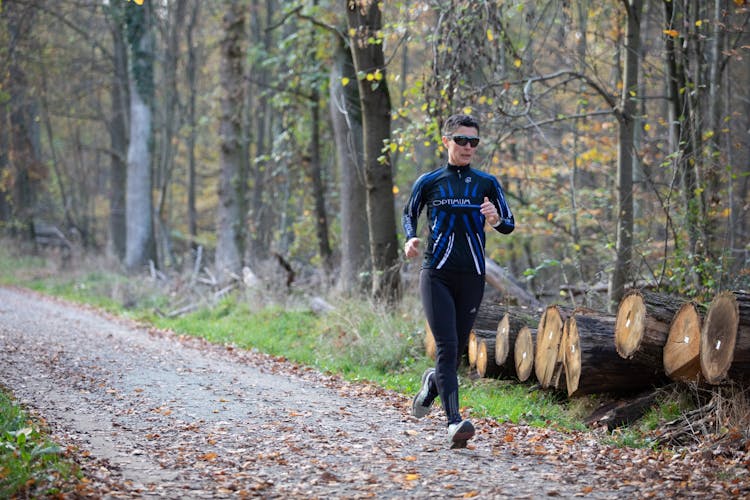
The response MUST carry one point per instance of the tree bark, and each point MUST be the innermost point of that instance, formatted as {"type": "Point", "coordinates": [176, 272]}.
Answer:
{"type": "Point", "coordinates": [486, 365]}
{"type": "Point", "coordinates": [192, 80]}
{"type": "Point", "coordinates": [364, 20]}
{"type": "Point", "coordinates": [346, 117]}
{"type": "Point", "coordinates": [625, 152]}
{"type": "Point", "coordinates": [230, 216]}
{"type": "Point", "coordinates": [682, 349]}
{"type": "Point", "coordinates": [139, 249]}
{"type": "Point", "coordinates": [118, 135]}
{"type": "Point", "coordinates": [642, 326]}
{"type": "Point", "coordinates": [592, 365]}
{"type": "Point", "coordinates": [500, 279]}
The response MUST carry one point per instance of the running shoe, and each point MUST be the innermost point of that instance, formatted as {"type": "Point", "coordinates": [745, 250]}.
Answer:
{"type": "Point", "coordinates": [422, 402]}
{"type": "Point", "coordinates": [459, 433]}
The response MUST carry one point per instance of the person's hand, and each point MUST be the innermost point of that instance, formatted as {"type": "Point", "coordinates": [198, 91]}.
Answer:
{"type": "Point", "coordinates": [487, 208]}
{"type": "Point", "coordinates": [411, 248]}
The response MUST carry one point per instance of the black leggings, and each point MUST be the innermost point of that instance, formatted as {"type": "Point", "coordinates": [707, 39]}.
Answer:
{"type": "Point", "coordinates": [450, 300]}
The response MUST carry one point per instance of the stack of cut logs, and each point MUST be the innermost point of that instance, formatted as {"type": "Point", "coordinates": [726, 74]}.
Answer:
{"type": "Point", "coordinates": [653, 338]}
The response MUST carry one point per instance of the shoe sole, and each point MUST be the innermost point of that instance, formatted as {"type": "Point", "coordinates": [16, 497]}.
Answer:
{"type": "Point", "coordinates": [460, 438]}
{"type": "Point", "coordinates": [418, 410]}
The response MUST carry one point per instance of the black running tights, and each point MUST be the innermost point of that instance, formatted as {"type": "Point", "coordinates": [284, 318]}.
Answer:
{"type": "Point", "coordinates": [450, 300]}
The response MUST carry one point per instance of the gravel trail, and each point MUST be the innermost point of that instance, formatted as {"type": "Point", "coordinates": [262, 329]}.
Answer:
{"type": "Point", "coordinates": [154, 415]}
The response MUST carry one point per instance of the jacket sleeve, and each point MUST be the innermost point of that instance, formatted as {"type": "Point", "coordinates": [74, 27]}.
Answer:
{"type": "Point", "coordinates": [507, 221]}
{"type": "Point", "coordinates": [412, 209]}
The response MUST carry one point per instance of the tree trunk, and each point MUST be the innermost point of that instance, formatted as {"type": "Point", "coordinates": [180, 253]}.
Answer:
{"type": "Point", "coordinates": [118, 135]}
{"type": "Point", "coordinates": [523, 353]}
{"type": "Point", "coordinates": [682, 349]}
{"type": "Point", "coordinates": [472, 346]}
{"type": "Point", "coordinates": [625, 152]}
{"type": "Point", "coordinates": [192, 80]}
{"type": "Point", "coordinates": [642, 326]}
{"type": "Point", "coordinates": [139, 249]}
{"type": "Point", "coordinates": [502, 280]}
{"type": "Point", "coordinates": [592, 365]}
{"type": "Point", "coordinates": [316, 176]}
{"type": "Point", "coordinates": [725, 338]}
{"type": "Point", "coordinates": [507, 333]}
{"type": "Point", "coordinates": [364, 20]}
{"type": "Point", "coordinates": [231, 218]}
{"type": "Point", "coordinates": [169, 128]}
{"type": "Point", "coordinates": [346, 117]}
{"type": "Point", "coordinates": [485, 365]}
{"type": "Point", "coordinates": [549, 335]}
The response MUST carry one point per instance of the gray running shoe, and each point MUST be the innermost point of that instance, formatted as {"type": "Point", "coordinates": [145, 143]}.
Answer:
{"type": "Point", "coordinates": [422, 402]}
{"type": "Point", "coordinates": [459, 433]}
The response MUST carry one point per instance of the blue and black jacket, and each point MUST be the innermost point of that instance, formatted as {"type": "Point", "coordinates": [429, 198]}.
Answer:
{"type": "Point", "coordinates": [453, 196]}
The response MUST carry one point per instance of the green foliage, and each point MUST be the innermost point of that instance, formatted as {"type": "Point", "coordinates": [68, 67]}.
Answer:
{"type": "Point", "coordinates": [30, 465]}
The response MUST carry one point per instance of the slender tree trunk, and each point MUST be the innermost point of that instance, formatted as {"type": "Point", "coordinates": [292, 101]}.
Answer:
{"type": "Point", "coordinates": [169, 128]}
{"type": "Point", "coordinates": [231, 220]}
{"type": "Point", "coordinates": [364, 19]}
{"type": "Point", "coordinates": [625, 152]}
{"type": "Point", "coordinates": [118, 135]}
{"type": "Point", "coordinates": [139, 204]}
{"type": "Point", "coordinates": [192, 79]}
{"type": "Point", "coordinates": [346, 117]}
{"type": "Point", "coordinates": [318, 185]}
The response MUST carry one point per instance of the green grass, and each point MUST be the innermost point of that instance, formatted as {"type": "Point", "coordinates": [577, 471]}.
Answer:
{"type": "Point", "coordinates": [358, 340]}
{"type": "Point", "coordinates": [30, 464]}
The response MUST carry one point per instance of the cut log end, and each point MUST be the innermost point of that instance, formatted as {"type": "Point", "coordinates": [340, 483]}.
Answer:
{"type": "Point", "coordinates": [548, 339]}
{"type": "Point", "coordinates": [630, 324]}
{"type": "Point", "coordinates": [523, 353]}
{"type": "Point", "coordinates": [718, 337]}
{"type": "Point", "coordinates": [501, 341]}
{"type": "Point", "coordinates": [572, 356]}
{"type": "Point", "coordinates": [682, 350]}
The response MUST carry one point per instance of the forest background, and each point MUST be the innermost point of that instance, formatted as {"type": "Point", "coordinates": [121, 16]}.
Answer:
{"type": "Point", "coordinates": [253, 137]}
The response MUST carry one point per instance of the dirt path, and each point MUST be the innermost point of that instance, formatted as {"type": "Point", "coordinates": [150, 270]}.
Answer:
{"type": "Point", "coordinates": [155, 415]}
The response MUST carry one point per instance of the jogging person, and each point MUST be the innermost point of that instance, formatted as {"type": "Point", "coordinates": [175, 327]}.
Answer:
{"type": "Point", "coordinates": [459, 200]}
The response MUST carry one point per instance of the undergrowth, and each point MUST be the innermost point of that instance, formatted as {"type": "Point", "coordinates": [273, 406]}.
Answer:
{"type": "Point", "coordinates": [30, 464]}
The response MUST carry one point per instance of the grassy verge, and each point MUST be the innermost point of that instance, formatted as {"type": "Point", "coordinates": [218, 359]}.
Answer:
{"type": "Point", "coordinates": [359, 340]}
{"type": "Point", "coordinates": [30, 464]}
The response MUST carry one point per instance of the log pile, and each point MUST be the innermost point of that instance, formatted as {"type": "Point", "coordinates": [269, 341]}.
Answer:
{"type": "Point", "coordinates": [653, 339]}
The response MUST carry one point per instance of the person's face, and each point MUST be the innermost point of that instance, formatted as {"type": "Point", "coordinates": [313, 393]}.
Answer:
{"type": "Point", "coordinates": [460, 155]}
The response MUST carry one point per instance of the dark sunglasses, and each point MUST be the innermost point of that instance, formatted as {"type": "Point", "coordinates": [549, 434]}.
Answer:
{"type": "Point", "coordinates": [463, 140]}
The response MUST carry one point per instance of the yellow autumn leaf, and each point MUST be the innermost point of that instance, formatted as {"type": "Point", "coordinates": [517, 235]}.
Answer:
{"type": "Point", "coordinates": [698, 23]}
{"type": "Point", "coordinates": [471, 494]}
{"type": "Point", "coordinates": [550, 216]}
{"type": "Point", "coordinates": [370, 77]}
{"type": "Point", "coordinates": [672, 33]}
{"type": "Point", "coordinates": [647, 127]}
{"type": "Point", "coordinates": [344, 81]}
{"type": "Point", "coordinates": [725, 213]}
{"type": "Point", "coordinates": [395, 189]}
{"type": "Point", "coordinates": [412, 477]}
{"type": "Point", "coordinates": [490, 35]}
{"type": "Point", "coordinates": [467, 110]}
{"type": "Point", "coordinates": [410, 458]}
{"type": "Point", "coordinates": [378, 75]}
{"type": "Point", "coordinates": [393, 147]}
{"type": "Point", "coordinates": [517, 63]}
